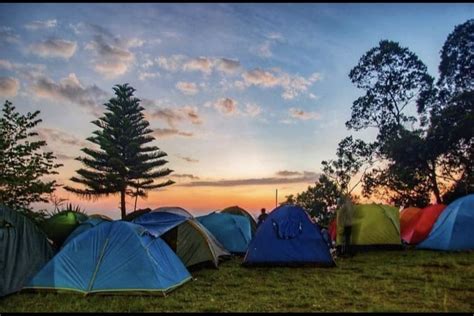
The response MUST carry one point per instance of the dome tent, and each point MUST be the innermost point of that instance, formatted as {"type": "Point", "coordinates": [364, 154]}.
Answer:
{"type": "Point", "coordinates": [453, 230]}
{"type": "Point", "coordinates": [237, 210]}
{"type": "Point", "coordinates": [24, 250]}
{"type": "Point", "coordinates": [288, 237]}
{"type": "Point", "coordinates": [84, 226]}
{"type": "Point", "coordinates": [190, 240]}
{"type": "Point", "coordinates": [374, 226]}
{"type": "Point", "coordinates": [418, 228]}
{"type": "Point", "coordinates": [59, 226]}
{"type": "Point", "coordinates": [406, 215]}
{"type": "Point", "coordinates": [113, 257]}
{"type": "Point", "coordinates": [233, 231]}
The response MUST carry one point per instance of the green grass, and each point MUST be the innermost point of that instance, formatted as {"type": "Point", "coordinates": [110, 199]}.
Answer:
{"type": "Point", "coordinates": [400, 281]}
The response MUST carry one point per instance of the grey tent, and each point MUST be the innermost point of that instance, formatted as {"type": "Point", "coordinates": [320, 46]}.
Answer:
{"type": "Point", "coordinates": [24, 250]}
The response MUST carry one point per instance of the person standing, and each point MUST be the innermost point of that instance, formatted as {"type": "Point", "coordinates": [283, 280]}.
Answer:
{"type": "Point", "coordinates": [262, 217]}
{"type": "Point", "coordinates": [344, 221]}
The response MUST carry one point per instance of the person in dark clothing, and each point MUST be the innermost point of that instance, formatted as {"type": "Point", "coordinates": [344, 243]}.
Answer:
{"type": "Point", "coordinates": [262, 217]}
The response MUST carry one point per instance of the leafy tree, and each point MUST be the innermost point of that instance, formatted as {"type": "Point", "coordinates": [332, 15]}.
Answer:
{"type": "Point", "coordinates": [451, 132]}
{"type": "Point", "coordinates": [122, 164]}
{"type": "Point", "coordinates": [23, 164]}
{"type": "Point", "coordinates": [395, 80]}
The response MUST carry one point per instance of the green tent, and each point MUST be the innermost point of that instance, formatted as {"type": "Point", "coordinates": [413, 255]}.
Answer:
{"type": "Point", "coordinates": [194, 244]}
{"type": "Point", "coordinates": [237, 210]}
{"type": "Point", "coordinates": [373, 226]}
{"type": "Point", "coordinates": [59, 226]}
{"type": "Point", "coordinates": [24, 250]}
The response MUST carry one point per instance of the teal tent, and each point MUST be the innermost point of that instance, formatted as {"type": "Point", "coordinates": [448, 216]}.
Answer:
{"type": "Point", "coordinates": [234, 232]}
{"type": "Point", "coordinates": [113, 257]}
{"type": "Point", "coordinates": [24, 250]}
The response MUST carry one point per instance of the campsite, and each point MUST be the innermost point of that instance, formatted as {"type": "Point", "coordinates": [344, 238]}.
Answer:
{"type": "Point", "coordinates": [157, 157]}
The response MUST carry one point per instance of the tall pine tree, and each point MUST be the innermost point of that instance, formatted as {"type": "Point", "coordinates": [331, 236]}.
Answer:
{"type": "Point", "coordinates": [122, 164]}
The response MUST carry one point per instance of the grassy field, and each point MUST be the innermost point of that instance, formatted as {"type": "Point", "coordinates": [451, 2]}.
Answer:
{"type": "Point", "coordinates": [409, 280]}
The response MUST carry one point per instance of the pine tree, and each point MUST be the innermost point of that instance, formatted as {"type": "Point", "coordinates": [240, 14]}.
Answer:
{"type": "Point", "coordinates": [122, 164]}
{"type": "Point", "coordinates": [22, 163]}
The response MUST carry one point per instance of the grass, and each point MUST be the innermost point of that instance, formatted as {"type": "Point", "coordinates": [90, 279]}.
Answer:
{"type": "Point", "coordinates": [387, 281]}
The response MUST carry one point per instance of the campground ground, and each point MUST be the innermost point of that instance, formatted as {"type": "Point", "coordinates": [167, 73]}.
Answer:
{"type": "Point", "coordinates": [408, 280]}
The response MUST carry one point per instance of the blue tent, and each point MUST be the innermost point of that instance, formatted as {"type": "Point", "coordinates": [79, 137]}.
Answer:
{"type": "Point", "coordinates": [190, 240]}
{"type": "Point", "coordinates": [454, 228]}
{"type": "Point", "coordinates": [288, 237]}
{"type": "Point", "coordinates": [159, 223]}
{"type": "Point", "coordinates": [113, 257]}
{"type": "Point", "coordinates": [88, 224]}
{"type": "Point", "coordinates": [233, 231]}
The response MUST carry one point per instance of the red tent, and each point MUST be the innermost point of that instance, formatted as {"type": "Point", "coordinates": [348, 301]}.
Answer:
{"type": "Point", "coordinates": [406, 215]}
{"type": "Point", "coordinates": [419, 226]}
{"type": "Point", "coordinates": [333, 230]}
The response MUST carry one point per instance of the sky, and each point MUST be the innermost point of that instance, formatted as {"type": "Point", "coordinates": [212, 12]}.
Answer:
{"type": "Point", "coordinates": [245, 99]}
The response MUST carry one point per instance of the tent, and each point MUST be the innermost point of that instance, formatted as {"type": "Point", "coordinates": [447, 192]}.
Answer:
{"type": "Point", "coordinates": [191, 241]}
{"type": "Point", "coordinates": [237, 210]}
{"type": "Point", "coordinates": [59, 226]}
{"type": "Point", "coordinates": [406, 215]}
{"type": "Point", "coordinates": [288, 237]}
{"type": "Point", "coordinates": [169, 209]}
{"type": "Point", "coordinates": [373, 226]}
{"type": "Point", "coordinates": [418, 228]}
{"type": "Point", "coordinates": [113, 257]}
{"type": "Point", "coordinates": [24, 250]}
{"type": "Point", "coordinates": [234, 232]}
{"type": "Point", "coordinates": [88, 224]}
{"type": "Point", "coordinates": [454, 228]}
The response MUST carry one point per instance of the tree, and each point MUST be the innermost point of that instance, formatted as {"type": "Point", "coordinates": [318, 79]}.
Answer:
{"type": "Point", "coordinates": [23, 164]}
{"type": "Point", "coordinates": [451, 132]}
{"type": "Point", "coordinates": [395, 79]}
{"type": "Point", "coordinates": [122, 163]}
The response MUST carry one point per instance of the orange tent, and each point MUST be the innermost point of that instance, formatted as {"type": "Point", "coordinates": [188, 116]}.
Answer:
{"type": "Point", "coordinates": [419, 225]}
{"type": "Point", "coordinates": [406, 215]}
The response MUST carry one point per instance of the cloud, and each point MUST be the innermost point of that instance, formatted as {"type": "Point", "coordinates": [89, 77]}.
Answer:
{"type": "Point", "coordinates": [286, 173]}
{"type": "Point", "coordinates": [188, 159]}
{"type": "Point", "coordinates": [70, 89]}
{"type": "Point", "coordinates": [292, 85]}
{"type": "Point", "coordinates": [114, 57]}
{"type": "Point", "coordinates": [174, 115]}
{"type": "Point", "coordinates": [54, 47]}
{"type": "Point", "coordinates": [9, 86]}
{"type": "Point", "coordinates": [188, 88]}
{"type": "Point", "coordinates": [60, 136]}
{"type": "Point", "coordinates": [225, 106]}
{"type": "Point", "coordinates": [189, 176]}
{"type": "Point", "coordinates": [228, 66]}
{"type": "Point", "coordinates": [7, 35]}
{"type": "Point", "coordinates": [302, 115]}
{"type": "Point", "coordinates": [25, 71]}
{"type": "Point", "coordinates": [202, 64]}
{"type": "Point", "coordinates": [252, 181]}
{"type": "Point", "coordinates": [167, 132]}
{"type": "Point", "coordinates": [265, 49]}
{"type": "Point", "coordinates": [260, 77]}
{"type": "Point", "coordinates": [252, 110]}
{"type": "Point", "coordinates": [172, 63]}
{"type": "Point", "coordinates": [146, 75]}
{"type": "Point", "coordinates": [37, 25]}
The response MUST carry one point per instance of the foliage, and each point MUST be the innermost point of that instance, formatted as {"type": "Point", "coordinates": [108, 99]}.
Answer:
{"type": "Point", "coordinates": [122, 164]}
{"type": "Point", "coordinates": [23, 164]}
{"type": "Point", "coordinates": [426, 154]}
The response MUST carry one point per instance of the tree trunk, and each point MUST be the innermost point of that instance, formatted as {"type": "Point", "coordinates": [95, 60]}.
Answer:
{"type": "Point", "coordinates": [122, 204]}
{"type": "Point", "coordinates": [434, 183]}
